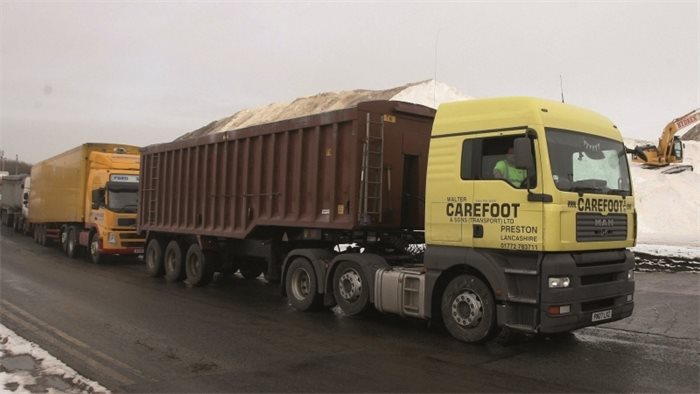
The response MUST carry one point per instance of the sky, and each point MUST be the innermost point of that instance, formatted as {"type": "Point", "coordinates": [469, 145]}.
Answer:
{"type": "Point", "coordinates": [147, 72]}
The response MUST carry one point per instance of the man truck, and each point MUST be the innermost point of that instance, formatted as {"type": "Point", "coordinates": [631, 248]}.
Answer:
{"type": "Point", "coordinates": [86, 199]}
{"type": "Point", "coordinates": [394, 206]}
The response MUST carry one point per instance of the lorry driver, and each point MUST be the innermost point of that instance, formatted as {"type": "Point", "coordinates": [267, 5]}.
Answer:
{"type": "Point", "coordinates": [505, 169]}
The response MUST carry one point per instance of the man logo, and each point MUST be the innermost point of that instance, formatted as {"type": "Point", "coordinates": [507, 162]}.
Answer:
{"type": "Point", "coordinates": [604, 223]}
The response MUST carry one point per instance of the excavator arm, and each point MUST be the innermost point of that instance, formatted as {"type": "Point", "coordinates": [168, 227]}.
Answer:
{"type": "Point", "coordinates": [666, 140]}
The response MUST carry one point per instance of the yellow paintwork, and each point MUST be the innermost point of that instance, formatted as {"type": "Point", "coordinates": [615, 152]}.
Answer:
{"type": "Point", "coordinates": [509, 220]}
{"type": "Point", "coordinates": [62, 187]}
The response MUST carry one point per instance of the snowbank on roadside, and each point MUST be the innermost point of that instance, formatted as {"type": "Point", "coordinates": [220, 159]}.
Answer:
{"type": "Point", "coordinates": [23, 378]}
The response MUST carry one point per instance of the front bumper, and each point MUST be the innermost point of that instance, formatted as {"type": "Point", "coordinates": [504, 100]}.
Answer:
{"type": "Point", "coordinates": [599, 283]}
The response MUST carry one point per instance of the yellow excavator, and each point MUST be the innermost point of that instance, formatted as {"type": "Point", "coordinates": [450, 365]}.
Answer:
{"type": "Point", "coordinates": [670, 148]}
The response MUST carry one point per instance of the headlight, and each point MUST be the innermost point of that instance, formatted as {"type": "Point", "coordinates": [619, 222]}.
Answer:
{"type": "Point", "coordinates": [112, 238]}
{"type": "Point", "coordinates": [630, 275]}
{"type": "Point", "coordinates": [559, 282]}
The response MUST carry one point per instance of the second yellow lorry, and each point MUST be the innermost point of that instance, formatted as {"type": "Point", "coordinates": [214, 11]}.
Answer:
{"type": "Point", "coordinates": [86, 199]}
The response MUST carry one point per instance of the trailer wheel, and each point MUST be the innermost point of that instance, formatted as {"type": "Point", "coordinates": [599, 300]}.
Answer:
{"type": "Point", "coordinates": [351, 288]}
{"type": "Point", "coordinates": [468, 309]}
{"type": "Point", "coordinates": [154, 258]}
{"type": "Point", "coordinates": [42, 236]}
{"type": "Point", "coordinates": [95, 255]}
{"type": "Point", "coordinates": [173, 262]}
{"type": "Point", "coordinates": [200, 265]}
{"type": "Point", "coordinates": [250, 268]}
{"type": "Point", "coordinates": [302, 285]}
{"type": "Point", "coordinates": [35, 234]}
{"type": "Point", "coordinates": [72, 247]}
{"type": "Point", "coordinates": [64, 238]}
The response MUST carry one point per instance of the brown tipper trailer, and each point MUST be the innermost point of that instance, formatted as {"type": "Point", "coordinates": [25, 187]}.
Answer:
{"type": "Point", "coordinates": [243, 199]}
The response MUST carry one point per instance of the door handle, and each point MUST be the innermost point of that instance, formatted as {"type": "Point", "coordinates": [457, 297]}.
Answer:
{"type": "Point", "coordinates": [478, 231]}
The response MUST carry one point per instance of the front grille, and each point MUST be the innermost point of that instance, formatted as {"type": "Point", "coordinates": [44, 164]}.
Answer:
{"type": "Point", "coordinates": [126, 222]}
{"type": "Point", "coordinates": [130, 236]}
{"type": "Point", "coordinates": [594, 227]}
{"type": "Point", "coordinates": [599, 278]}
{"type": "Point", "coordinates": [597, 304]}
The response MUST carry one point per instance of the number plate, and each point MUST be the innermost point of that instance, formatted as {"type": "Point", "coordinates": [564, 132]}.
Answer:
{"type": "Point", "coordinates": [140, 251]}
{"type": "Point", "coordinates": [602, 315]}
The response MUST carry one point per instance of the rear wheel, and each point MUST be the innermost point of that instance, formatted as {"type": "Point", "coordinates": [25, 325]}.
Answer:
{"type": "Point", "coordinates": [468, 309]}
{"type": "Point", "coordinates": [72, 247]}
{"type": "Point", "coordinates": [302, 285]}
{"type": "Point", "coordinates": [154, 258]}
{"type": "Point", "coordinates": [173, 262]}
{"type": "Point", "coordinates": [351, 288]}
{"type": "Point", "coordinates": [200, 265]}
{"type": "Point", "coordinates": [43, 241]}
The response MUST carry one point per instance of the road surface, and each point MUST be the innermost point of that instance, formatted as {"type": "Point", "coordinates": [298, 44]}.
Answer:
{"type": "Point", "coordinates": [132, 333]}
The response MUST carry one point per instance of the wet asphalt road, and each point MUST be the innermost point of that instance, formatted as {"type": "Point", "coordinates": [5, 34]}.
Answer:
{"type": "Point", "coordinates": [132, 333]}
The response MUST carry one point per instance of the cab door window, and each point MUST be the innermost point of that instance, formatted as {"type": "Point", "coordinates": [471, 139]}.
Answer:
{"type": "Point", "coordinates": [492, 159]}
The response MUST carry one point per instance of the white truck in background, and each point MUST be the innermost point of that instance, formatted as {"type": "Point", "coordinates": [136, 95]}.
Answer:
{"type": "Point", "coordinates": [14, 203]}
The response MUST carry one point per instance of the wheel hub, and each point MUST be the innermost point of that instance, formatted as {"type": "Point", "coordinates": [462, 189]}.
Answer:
{"type": "Point", "coordinates": [195, 265]}
{"type": "Point", "coordinates": [467, 309]}
{"type": "Point", "coordinates": [350, 285]}
{"type": "Point", "coordinates": [300, 284]}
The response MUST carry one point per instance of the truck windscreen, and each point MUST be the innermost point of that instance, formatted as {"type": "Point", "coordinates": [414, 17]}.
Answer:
{"type": "Point", "coordinates": [122, 197]}
{"type": "Point", "coordinates": [587, 163]}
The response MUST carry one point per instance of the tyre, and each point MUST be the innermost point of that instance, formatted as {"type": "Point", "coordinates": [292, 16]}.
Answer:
{"type": "Point", "coordinates": [302, 285]}
{"type": "Point", "coordinates": [173, 261]}
{"type": "Point", "coordinates": [95, 255]}
{"type": "Point", "coordinates": [64, 239]}
{"type": "Point", "coordinates": [351, 288]}
{"type": "Point", "coordinates": [35, 234]}
{"type": "Point", "coordinates": [468, 309]}
{"type": "Point", "coordinates": [42, 236]}
{"type": "Point", "coordinates": [251, 268]}
{"type": "Point", "coordinates": [154, 258]}
{"type": "Point", "coordinates": [73, 247]}
{"type": "Point", "coordinates": [200, 265]}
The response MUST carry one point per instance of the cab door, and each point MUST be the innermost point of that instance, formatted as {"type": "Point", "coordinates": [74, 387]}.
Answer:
{"type": "Point", "coordinates": [506, 214]}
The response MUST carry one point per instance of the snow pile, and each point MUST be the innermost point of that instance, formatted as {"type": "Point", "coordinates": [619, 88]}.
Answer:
{"type": "Point", "coordinates": [668, 205]}
{"type": "Point", "coordinates": [429, 93]}
{"type": "Point", "coordinates": [25, 367]}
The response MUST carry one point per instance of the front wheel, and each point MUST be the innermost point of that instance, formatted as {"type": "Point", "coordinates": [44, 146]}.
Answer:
{"type": "Point", "coordinates": [301, 285]}
{"type": "Point", "coordinates": [468, 309]}
{"type": "Point", "coordinates": [72, 246]}
{"type": "Point", "coordinates": [350, 288]}
{"type": "Point", "coordinates": [95, 254]}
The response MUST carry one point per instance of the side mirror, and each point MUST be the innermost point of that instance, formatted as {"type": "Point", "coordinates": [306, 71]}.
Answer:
{"type": "Point", "coordinates": [522, 154]}
{"type": "Point", "coordinates": [96, 198]}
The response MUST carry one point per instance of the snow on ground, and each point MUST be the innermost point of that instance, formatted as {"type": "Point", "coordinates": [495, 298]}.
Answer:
{"type": "Point", "coordinates": [668, 205]}
{"type": "Point", "coordinates": [27, 368]}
